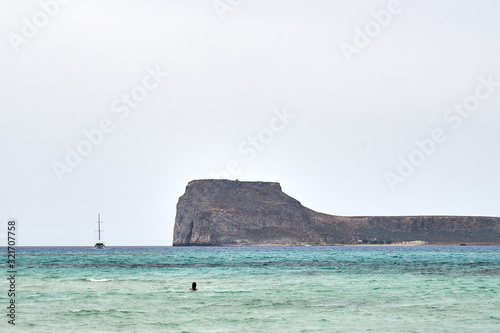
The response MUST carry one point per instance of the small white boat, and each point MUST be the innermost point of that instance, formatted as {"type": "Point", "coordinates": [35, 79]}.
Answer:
{"type": "Point", "coordinates": [99, 244]}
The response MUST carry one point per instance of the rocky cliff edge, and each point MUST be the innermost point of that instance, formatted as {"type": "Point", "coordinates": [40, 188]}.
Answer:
{"type": "Point", "coordinates": [225, 212]}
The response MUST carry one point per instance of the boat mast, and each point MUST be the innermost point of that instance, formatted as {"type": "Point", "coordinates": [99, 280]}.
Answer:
{"type": "Point", "coordinates": [99, 225]}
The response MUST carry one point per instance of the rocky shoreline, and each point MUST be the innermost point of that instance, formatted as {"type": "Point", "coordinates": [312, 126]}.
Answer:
{"type": "Point", "coordinates": [236, 213]}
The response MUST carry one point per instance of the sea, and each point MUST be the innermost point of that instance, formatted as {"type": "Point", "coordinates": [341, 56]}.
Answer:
{"type": "Point", "coordinates": [254, 289]}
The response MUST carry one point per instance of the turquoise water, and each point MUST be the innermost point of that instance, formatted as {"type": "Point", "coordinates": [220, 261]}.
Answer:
{"type": "Point", "coordinates": [256, 289]}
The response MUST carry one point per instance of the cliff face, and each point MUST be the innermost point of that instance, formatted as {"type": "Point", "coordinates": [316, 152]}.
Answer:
{"type": "Point", "coordinates": [224, 212]}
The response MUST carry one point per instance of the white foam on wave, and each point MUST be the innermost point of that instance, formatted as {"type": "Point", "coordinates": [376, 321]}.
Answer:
{"type": "Point", "coordinates": [99, 280]}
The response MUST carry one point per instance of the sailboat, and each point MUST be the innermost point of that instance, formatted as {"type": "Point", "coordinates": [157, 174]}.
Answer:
{"type": "Point", "coordinates": [99, 244]}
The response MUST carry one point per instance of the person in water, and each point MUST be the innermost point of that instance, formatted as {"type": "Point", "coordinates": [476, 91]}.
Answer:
{"type": "Point", "coordinates": [193, 287]}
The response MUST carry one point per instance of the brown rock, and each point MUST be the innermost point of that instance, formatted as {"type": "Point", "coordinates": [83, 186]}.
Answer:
{"type": "Point", "coordinates": [225, 212]}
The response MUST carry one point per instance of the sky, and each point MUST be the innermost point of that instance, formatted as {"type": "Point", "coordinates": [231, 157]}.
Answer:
{"type": "Point", "coordinates": [355, 107]}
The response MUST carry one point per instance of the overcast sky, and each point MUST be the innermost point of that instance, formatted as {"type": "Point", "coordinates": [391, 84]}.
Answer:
{"type": "Point", "coordinates": [355, 107]}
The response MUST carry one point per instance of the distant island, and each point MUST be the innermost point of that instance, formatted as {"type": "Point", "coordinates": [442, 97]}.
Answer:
{"type": "Point", "coordinates": [230, 213]}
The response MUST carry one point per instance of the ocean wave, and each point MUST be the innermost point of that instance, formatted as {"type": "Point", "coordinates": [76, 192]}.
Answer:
{"type": "Point", "coordinates": [99, 280]}
{"type": "Point", "coordinates": [100, 311]}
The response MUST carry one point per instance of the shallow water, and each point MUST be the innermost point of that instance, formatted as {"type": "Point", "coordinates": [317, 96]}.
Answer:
{"type": "Point", "coordinates": [257, 289]}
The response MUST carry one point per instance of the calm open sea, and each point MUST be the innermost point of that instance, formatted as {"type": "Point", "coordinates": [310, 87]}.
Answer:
{"type": "Point", "coordinates": [256, 289]}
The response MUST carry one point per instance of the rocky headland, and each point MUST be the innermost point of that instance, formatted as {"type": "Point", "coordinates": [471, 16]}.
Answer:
{"type": "Point", "coordinates": [225, 212]}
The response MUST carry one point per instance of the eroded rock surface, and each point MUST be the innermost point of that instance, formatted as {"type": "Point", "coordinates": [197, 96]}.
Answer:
{"type": "Point", "coordinates": [225, 212]}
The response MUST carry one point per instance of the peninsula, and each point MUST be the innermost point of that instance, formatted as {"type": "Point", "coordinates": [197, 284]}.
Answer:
{"type": "Point", "coordinates": [226, 212]}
